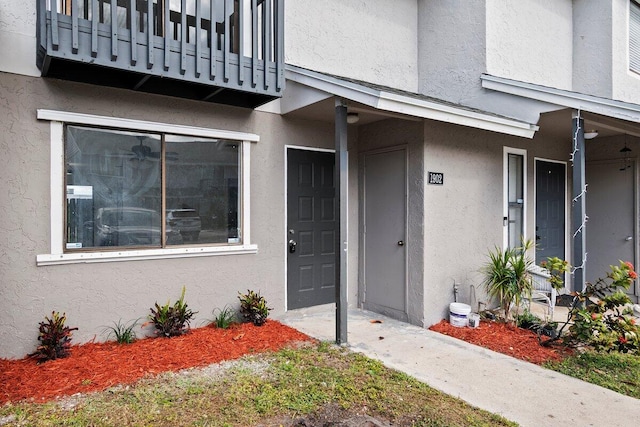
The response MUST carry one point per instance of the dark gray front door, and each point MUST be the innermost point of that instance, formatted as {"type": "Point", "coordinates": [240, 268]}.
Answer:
{"type": "Point", "coordinates": [385, 211]}
{"type": "Point", "coordinates": [550, 210]}
{"type": "Point", "coordinates": [312, 225]}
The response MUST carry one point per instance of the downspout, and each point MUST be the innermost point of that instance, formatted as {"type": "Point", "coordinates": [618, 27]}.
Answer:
{"type": "Point", "coordinates": [578, 203]}
{"type": "Point", "coordinates": [341, 187]}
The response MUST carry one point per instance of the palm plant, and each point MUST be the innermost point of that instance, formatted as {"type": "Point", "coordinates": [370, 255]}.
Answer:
{"type": "Point", "coordinates": [507, 277]}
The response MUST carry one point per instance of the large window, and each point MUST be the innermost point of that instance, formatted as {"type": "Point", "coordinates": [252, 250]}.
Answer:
{"type": "Point", "coordinates": [116, 196]}
{"type": "Point", "coordinates": [127, 189]}
{"type": "Point", "coordinates": [634, 36]}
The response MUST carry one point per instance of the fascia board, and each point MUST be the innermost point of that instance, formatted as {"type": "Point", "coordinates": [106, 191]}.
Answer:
{"type": "Point", "coordinates": [448, 114]}
{"type": "Point", "coordinates": [387, 101]}
{"type": "Point", "coordinates": [604, 106]}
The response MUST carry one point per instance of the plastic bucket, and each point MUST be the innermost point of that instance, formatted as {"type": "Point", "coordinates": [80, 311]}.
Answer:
{"type": "Point", "coordinates": [474, 320]}
{"type": "Point", "coordinates": [459, 314]}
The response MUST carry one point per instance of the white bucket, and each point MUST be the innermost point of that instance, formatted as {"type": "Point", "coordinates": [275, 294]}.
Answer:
{"type": "Point", "coordinates": [458, 314]}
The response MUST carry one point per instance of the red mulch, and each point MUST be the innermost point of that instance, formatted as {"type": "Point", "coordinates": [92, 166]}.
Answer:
{"type": "Point", "coordinates": [97, 366]}
{"type": "Point", "coordinates": [506, 339]}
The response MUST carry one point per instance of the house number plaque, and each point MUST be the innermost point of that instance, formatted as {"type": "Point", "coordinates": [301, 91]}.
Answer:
{"type": "Point", "coordinates": [436, 178]}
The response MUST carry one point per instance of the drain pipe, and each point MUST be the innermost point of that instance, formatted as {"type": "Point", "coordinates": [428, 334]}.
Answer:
{"type": "Point", "coordinates": [455, 291]}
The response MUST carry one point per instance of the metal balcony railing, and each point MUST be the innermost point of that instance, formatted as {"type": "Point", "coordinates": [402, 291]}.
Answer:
{"type": "Point", "coordinates": [228, 51]}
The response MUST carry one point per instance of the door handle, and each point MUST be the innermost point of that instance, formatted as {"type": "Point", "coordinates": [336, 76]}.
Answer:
{"type": "Point", "coordinates": [400, 243]}
{"type": "Point", "coordinates": [629, 238]}
{"type": "Point", "coordinates": [292, 246]}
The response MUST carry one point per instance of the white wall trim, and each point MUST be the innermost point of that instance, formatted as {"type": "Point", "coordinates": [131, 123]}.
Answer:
{"type": "Point", "coordinates": [142, 125]}
{"type": "Point", "coordinates": [505, 192]}
{"type": "Point", "coordinates": [57, 254]}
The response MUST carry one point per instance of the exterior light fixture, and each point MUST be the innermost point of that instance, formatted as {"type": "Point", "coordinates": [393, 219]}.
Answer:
{"type": "Point", "coordinates": [626, 161]}
{"type": "Point", "coordinates": [590, 134]}
{"type": "Point", "coordinates": [352, 118]}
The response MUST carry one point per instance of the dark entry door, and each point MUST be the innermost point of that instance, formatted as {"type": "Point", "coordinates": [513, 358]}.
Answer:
{"type": "Point", "coordinates": [312, 226]}
{"type": "Point", "coordinates": [550, 210]}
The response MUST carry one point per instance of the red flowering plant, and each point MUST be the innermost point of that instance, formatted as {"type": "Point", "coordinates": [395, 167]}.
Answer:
{"type": "Point", "coordinates": [602, 316]}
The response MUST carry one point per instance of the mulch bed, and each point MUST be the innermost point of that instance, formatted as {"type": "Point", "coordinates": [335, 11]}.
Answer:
{"type": "Point", "coordinates": [506, 339]}
{"type": "Point", "coordinates": [97, 366]}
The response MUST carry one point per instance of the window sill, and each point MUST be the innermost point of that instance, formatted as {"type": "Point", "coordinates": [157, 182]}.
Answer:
{"type": "Point", "coordinates": [144, 254]}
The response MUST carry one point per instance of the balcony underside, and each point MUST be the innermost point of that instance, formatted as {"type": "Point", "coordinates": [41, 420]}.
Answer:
{"type": "Point", "coordinates": [77, 49]}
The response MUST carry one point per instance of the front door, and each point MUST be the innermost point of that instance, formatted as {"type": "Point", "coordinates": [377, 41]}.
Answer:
{"type": "Point", "coordinates": [611, 212]}
{"type": "Point", "coordinates": [550, 210]}
{"type": "Point", "coordinates": [385, 234]}
{"type": "Point", "coordinates": [312, 228]}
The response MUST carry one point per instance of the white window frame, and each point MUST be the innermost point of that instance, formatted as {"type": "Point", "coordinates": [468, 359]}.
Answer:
{"type": "Point", "coordinates": [58, 119]}
{"type": "Point", "coordinates": [505, 192]}
{"type": "Point", "coordinates": [634, 38]}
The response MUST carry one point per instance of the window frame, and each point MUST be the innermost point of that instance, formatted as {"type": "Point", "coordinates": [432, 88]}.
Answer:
{"type": "Point", "coordinates": [634, 37]}
{"type": "Point", "coordinates": [57, 255]}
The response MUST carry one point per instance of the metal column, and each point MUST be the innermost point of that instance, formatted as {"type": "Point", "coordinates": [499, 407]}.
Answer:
{"type": "Point", "coordinates": [341, 185]}
{"type": "Point", "coordinates": [578, 202]}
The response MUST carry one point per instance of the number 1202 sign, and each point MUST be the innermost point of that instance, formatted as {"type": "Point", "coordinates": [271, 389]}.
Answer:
{"type": "Point", "coordinates": [436, 178]}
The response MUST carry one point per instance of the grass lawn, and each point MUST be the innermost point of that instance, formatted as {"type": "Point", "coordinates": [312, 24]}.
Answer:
{"type": "Point", "coordinates": [319, 382]}
{"type": "Point", "coordinates": [616, 371]}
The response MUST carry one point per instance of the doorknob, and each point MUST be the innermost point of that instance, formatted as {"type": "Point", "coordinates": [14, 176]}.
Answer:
{"type": "Point", "coordinates": [292, 246]}
{"type": "Point", "coordinates": [629, 238]}
{"type": "Point", "coordinates": [400, 243]}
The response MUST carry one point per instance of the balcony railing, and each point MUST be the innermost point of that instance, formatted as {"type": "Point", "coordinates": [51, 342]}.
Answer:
{"type": "Point", "coordinates": [226, 51]}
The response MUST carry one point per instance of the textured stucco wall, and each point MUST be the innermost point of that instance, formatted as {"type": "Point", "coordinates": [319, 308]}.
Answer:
{"type": "Point", "coordinates": [373, 40]}
{"type": "Point", "coordinates": [531, 41]}
{"type": "Point", "coordinates": [463, 217]}
{"type": "Point", "coordinates": [95, 295]}
{"type": "Point", "coordinates": [592, 47]}
{"type": "Point", "coordinates": [452, 48]}
{"type": "Point", "coordinates": [18, 36]}
{"type": "Point", "coordinates": [390, 133]}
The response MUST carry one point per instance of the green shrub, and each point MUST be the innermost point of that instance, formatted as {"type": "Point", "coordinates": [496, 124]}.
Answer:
{"type": "Point", "coordinates": [253, 307]}
{"type": "Point", "coordinates": [54, 337]}
{"type": "Point", "coordinates": [506, 277]}
{"type": "Point", "coordinates": [224, 318]}
{"type": "Point", "coordinates": [600, 316]}
{"type": "Point", "coordinates": [122, 333]}
{"type": "Point", "coordinates": [171, 320]}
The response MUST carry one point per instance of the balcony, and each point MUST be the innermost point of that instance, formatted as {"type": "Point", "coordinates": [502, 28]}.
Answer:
{"type": "Point", "coordinates": [222, 51]}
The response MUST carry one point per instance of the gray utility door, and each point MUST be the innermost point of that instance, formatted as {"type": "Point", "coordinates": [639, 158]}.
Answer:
{"type": "Point", "coordinates": [550, 210]}
{"type": "Point", "coordinates": [611, 212]}
{"type": "Point", "coordinates": [312, 228]}
{"type": "Point", "coordinates": [385, 233]}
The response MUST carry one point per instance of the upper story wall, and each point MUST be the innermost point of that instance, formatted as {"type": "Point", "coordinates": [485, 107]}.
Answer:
{"type": "Point", "coordinates": [370, 40]}
{"type": "Point", "coordinates": [625, 84]}
{"type": "Point", "coordinates": [530, 40]}
{"type": "Point", "coordinates": [18, 37]}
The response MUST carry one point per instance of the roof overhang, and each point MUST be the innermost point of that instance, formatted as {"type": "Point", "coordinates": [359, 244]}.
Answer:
{"type": "Point", "coordinates": [578, 101]}
{"type": "Point", "coordinates": [396, 102]}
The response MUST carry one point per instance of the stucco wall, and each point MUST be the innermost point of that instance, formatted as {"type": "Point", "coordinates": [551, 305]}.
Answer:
{"type": "Point", "coordinates": [372, 40]}
{"type": "Point", "coordinates": [463, 217]}
{"type": "Point", "coordinates": [18, 35]}
{"type": "Point", "coordinates": [531, 41]}
{"type": "Point", "coordinates": [95, 295]}
{"type": "Point", "coordinates": [452, 48]}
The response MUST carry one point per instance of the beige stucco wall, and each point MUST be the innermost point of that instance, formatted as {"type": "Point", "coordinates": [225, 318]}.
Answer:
{"type": "Point", "coordinates": [95, 295]}
{"type": "Point", "coordinates": [463, 217]}
{"type": "Point", "coordinates": [373, 40]}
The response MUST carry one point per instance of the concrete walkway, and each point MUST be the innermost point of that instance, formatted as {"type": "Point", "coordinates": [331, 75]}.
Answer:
{"type": "Point", "coordinates": [517, 390]}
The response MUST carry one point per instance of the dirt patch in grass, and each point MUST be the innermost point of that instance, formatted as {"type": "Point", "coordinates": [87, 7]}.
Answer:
{"type": "Point", "coordinates": [506, 339]}
{"type": "Point", "coordinates": [97, 366]}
